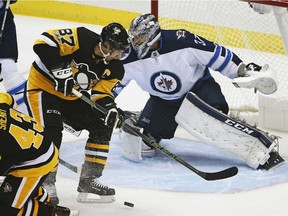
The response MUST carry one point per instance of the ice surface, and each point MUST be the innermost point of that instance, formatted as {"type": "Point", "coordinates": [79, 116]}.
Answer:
{"type": "Point", "coordinates": [161, 186]}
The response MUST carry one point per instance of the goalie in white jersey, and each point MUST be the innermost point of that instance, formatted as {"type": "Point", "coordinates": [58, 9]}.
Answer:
{"type": "Point", "coordinates": [168, 64]}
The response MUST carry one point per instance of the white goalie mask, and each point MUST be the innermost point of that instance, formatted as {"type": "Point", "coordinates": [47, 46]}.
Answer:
{"type": "Point", "coordinates": [144, 31]}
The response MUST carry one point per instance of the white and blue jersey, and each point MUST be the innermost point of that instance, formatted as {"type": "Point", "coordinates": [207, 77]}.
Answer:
{"type": "Point", "coordinates": [182, 59]}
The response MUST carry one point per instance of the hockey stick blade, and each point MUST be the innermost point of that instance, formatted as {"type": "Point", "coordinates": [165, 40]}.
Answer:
{"type": "Point", "coordinates": [69, 166]}
{"type": "Point", "coordinates": [209, 176]}
{"type": "Point", "coordinates": [227, 173]}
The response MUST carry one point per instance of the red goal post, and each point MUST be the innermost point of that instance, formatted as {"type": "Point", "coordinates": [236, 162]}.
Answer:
{"type": "Point", "coordinates": [280, 3]}
{"type": "Point", "coordinates": [255, 37]}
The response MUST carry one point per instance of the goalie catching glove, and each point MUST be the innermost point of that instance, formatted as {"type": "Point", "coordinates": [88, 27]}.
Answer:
{"type": "Point", "coordinates": [63, 78]}
{"type": "Point", "coordinates": [257, 77]}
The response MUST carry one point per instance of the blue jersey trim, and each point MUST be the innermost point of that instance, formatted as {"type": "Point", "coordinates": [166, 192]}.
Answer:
{"type": "Point", "coordinates": [216, 55]}
{"type": "Point", "coordinates": [17, 89]}
{"type": "Point", "coordinates": [227, 60]}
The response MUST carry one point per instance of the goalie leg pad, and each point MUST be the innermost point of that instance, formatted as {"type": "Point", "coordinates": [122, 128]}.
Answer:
{"type": "Point", "coordinates": [131, 145]}
{"type": "Point", "coordinates": [239, 139]}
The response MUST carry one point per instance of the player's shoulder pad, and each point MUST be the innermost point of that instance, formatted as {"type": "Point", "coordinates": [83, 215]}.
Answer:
{"type": "Point", "coordinates": [85, 34]}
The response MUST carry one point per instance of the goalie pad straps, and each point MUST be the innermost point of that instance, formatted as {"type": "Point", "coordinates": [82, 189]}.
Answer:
{"type": "Point", "coordinates": [238, 139]}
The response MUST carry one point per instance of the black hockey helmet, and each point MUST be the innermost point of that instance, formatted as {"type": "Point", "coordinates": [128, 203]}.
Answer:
{"type": "Point", "coordinates": [116, 36]}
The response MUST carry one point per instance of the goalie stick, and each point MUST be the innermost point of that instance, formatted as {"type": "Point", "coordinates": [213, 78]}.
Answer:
{"type": "Point", "coordinates": [4, 20]}
{"type": "Point", "coordinates": [232, 171]}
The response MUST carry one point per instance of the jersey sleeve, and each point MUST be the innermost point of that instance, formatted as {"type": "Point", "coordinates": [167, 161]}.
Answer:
{"type": "Point", "coordinates": [56, 46]}
{"type": "Point", "coordinates": [104, 90]}
{"type": "Point", "coordinates": [214, 56]}
{"type": "Point", "coordinates": [7, 99]}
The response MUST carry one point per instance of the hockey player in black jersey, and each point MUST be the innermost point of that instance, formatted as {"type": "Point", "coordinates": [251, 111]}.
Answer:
{"type": "Point", "coordinates": [168, 64]}
{"type": "Point", "coordinates": [78, 58]}
{"type": "Point", "coordinates": [27, 155]}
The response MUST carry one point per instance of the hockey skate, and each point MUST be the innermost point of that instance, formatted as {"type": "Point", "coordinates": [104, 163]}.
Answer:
{"type": "Point", "coordinates": [92, 191]}
{"type": "Point", "coordinates": [49, 185]}
{"type": "Point", "coordinates": [63, 211]}
{"type": "Point", "coordinates": [274, 160]}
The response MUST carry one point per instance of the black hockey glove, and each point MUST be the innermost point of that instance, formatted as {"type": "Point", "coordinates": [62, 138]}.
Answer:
{"type": "Point", "coordinates": [121, 117]}
{"type": "Point", "coordinates": [63, 78]}
{"type": "Point", "coordinates": [114, 118]}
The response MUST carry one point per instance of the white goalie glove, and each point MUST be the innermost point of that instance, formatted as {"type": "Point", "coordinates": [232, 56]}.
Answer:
{"type": "Point", "coordinates": [254, 76]}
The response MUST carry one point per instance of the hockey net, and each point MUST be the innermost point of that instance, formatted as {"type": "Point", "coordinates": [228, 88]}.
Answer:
{"type": "Point", "coordinates": [234, 24]}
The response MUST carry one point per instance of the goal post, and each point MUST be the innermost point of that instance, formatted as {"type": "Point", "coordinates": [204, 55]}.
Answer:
{"type": "Point", "coordinates": [255, 36]}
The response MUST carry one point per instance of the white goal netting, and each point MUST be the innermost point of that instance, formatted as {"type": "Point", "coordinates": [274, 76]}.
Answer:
{"type": "Point", "coordinates": [253, 36]}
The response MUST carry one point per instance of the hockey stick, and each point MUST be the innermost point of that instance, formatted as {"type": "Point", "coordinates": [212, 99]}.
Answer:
{"type": "Point", "coordinates": [69, 166]}
{"type": "Point", "coordinates": [4, 19]}
{"type": "Point", "coordinates": [227, 173]}
{"type": "Point", "coordinates": [232, 171]}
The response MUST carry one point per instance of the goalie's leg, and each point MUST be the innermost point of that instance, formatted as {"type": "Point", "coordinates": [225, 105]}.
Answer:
{"type": "Point", "coordinates": [239, 139]}
{"type": "Point", "coordinates": [133, 147]}
{"type": "Point", "coordinates": [157, 120]}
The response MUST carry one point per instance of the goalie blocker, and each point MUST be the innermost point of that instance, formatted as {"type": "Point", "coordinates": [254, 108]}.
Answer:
{"type": "Point", "coordinates": [239, 139]}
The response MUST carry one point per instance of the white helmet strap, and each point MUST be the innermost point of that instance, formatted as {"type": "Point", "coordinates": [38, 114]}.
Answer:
{"type": "Point", "coordinates": [104, 55]}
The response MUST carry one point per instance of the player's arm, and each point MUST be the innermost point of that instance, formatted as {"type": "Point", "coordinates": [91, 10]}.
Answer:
{"type": "Point", "coordinates": [56, 46]}
{"type": "Point", "coordinates": [213, 55]}
{"type": "Point", "coordinates": [7, 99]}
{"type": "Point", "coordinates": [221, 59]}
{"type": "Point", "coordinates": [55, 49]}
{"type": "Point", "coordinates": [103, 93]}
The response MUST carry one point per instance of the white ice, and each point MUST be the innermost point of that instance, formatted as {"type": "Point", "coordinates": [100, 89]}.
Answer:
{"type": "Point", "coordinates": [154, 184]}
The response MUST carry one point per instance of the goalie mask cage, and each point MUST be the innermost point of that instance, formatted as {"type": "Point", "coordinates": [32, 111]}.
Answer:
{"type": "Point", "coordinates": [253, 36]}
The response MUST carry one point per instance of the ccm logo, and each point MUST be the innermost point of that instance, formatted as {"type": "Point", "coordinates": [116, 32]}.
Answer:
{"type": "Point", "coordinates": [239, 126]}
{"type": "Point", "coordinates": [63, 72]}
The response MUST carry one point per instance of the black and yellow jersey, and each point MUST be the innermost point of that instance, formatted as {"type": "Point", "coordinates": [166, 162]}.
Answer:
{"type": "Point", "coordinates": [75, 46]}
{"type": "Point", "coordinates": [24, 148]}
